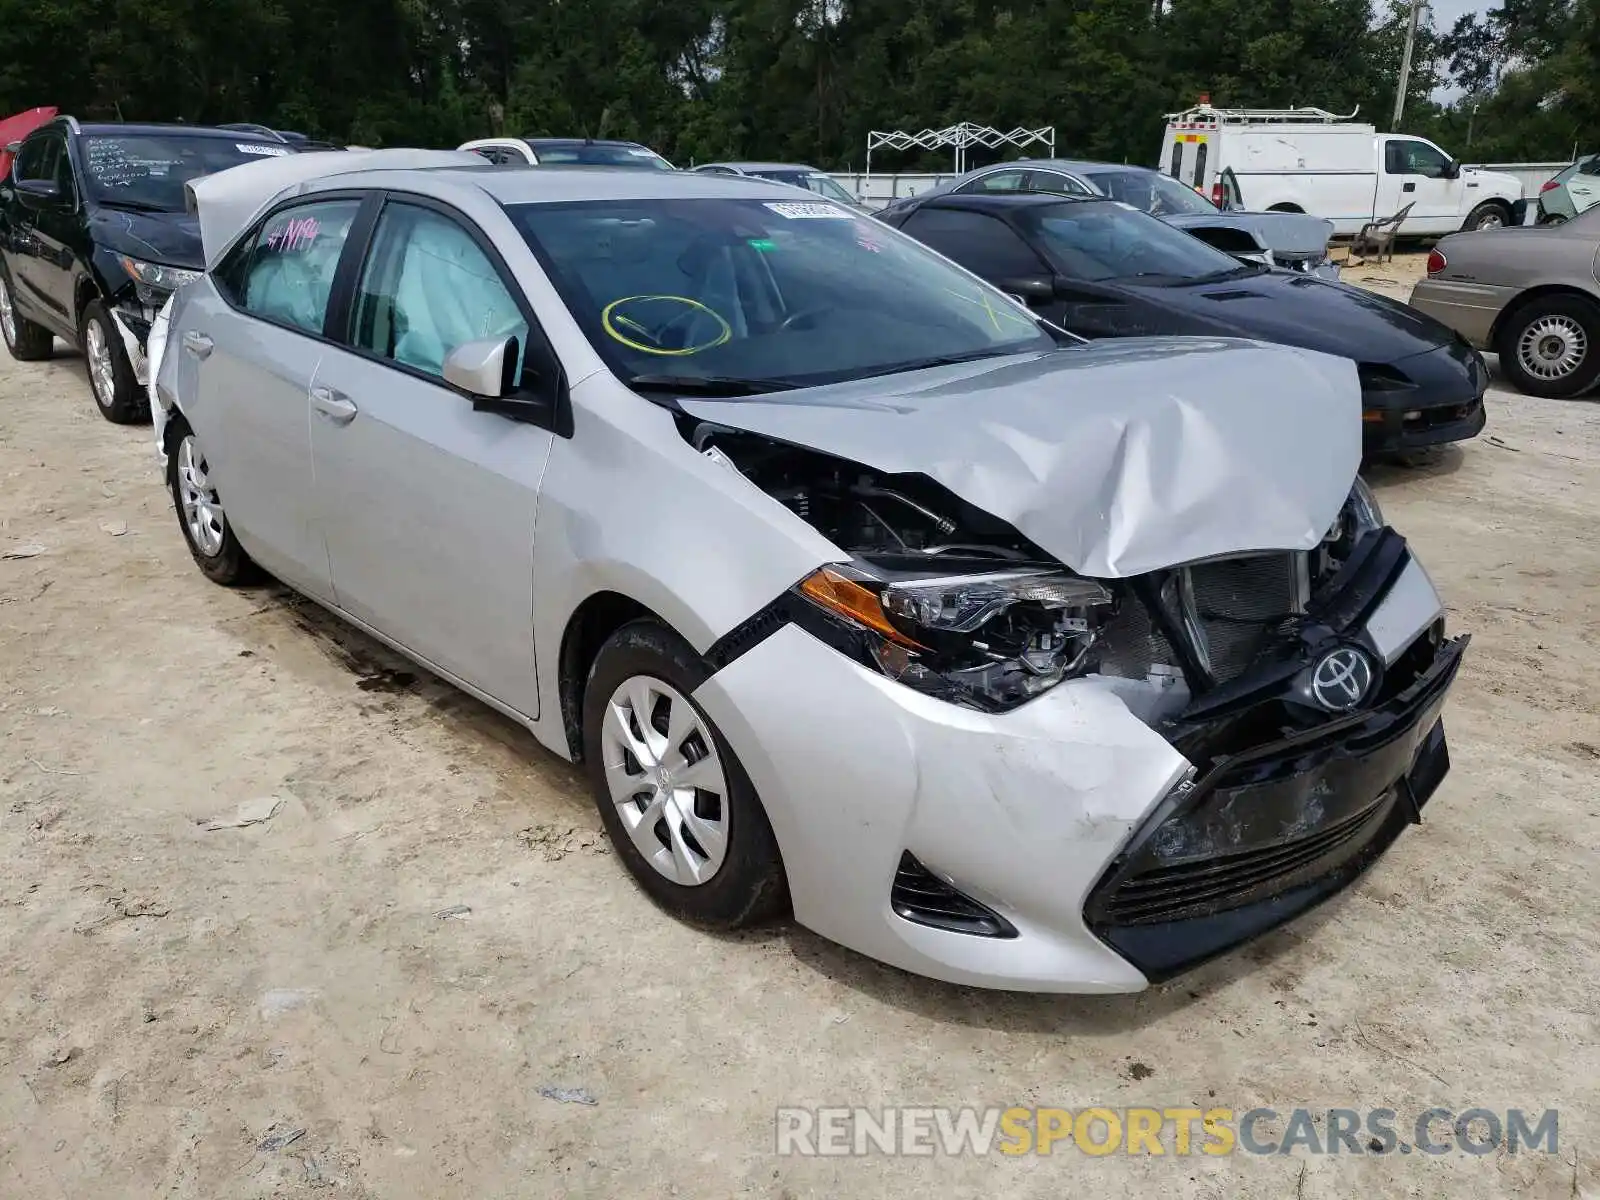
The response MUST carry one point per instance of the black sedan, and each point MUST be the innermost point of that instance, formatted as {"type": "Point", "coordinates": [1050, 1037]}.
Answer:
{"type": "Point", "coordinates": [1101, 269]}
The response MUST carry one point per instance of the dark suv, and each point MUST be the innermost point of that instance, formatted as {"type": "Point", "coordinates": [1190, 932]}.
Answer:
{"type": "Point", "coordinates": [94, 236]}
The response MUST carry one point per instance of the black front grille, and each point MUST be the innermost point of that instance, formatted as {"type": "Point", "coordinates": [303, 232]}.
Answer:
{"type": "Point", "coordinates": [1165, 893]}
{"type": "Point", "coordinates": [921, 896]}
{"type": "Point", "coordinates": [1231, 608]}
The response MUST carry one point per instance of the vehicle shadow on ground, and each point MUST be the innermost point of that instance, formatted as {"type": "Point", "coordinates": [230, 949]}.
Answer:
{"type": "Point", "coordinates": [1397, 470]}
{"type": "Point", "coordinates": [284, 621]}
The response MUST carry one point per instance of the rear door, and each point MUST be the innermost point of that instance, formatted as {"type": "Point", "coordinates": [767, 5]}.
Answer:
{"type": "Point", "coordinates": [255, 340]}
{"type": "Point", "coordinates": [428, 503]}
{"type": "Point", "coordinates": [59, 236]}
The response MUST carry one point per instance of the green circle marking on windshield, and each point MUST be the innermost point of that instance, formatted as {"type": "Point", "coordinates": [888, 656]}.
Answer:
{"type": "Point", "coordinates": [614, 323]}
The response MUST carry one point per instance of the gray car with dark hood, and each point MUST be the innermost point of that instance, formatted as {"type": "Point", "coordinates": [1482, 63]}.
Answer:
{"type": "Point", "coordinates": [856, 588]}
{"type": "Point", "coordinates": [1289, 241]}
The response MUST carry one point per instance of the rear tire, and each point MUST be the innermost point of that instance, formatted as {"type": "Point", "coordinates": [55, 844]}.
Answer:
{"type": "Point", "coordinates": [26, 341]}
{"type": "Point", "coordinates": [679, 809]}
{"type": "Point", "coordinates": [201, 517]}
{"type": "Point", "coordinates": [117, 393]}
{"type": "Point", "coordinates": [1550, 346]}
{"type": "Point", "coordinates": [1491, 214]}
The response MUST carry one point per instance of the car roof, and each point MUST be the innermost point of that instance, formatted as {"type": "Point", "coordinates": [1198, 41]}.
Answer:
{"type": "Point", "coordinates": [102, 128]}
{"type": "Point", "coordinates": [767, 166]}
{"type": "Point", "coordinates": [536, 142]}
{"type": "Point", "coordinates": [563, 183]}
{"type": "Point", "coordinates": [1080, 166]}
{"type": "Point", "coordinates": [998, 201]}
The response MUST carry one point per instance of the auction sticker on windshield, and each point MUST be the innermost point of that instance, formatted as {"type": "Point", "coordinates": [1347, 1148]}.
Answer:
{"type": "Point", "coordinates": [268, 151]}
{"type": "Point", "coordinates": [802, 211]}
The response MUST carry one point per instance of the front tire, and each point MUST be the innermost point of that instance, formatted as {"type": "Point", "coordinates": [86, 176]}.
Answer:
{"type": "Point", "coordinates": [679, 808]}
{"type": "Point", "coordinates": [26, 341]}
{"type": "Point", "coordinates": [1491, 214]}
{"type": "Point", "coordinates": [117, 393]}
{"type": "Point", "coordinates": [1550, 346]}
{"type": "Point", "coordinates": [201, 517]}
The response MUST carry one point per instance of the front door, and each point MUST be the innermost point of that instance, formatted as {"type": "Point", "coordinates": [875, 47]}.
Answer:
{"type": "Point", "coordinates": [428, 504]}
{"type": "Point", "coordinates": [1416, 171]}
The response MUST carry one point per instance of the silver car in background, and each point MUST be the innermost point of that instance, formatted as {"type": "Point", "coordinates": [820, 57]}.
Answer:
{"type": "Point", "coordinates": [1530, 294]}
{"type": "Point", "coordinates": [854, 587]}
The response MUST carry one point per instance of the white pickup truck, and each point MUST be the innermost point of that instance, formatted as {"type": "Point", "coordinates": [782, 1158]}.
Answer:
{"type": "Point", "coordinates": [1312, 161]}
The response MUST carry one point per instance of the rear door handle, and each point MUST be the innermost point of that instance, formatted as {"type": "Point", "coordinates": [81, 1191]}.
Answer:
{"type": "Point", "coordinates": [197, 344]}
{"type": "Point", "coordinates": [333, 404]}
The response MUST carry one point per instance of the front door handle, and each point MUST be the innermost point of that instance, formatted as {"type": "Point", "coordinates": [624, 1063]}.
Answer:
{"type": "Point", "coordinates": [197, 344]}
{"type": "Point", "coordinates": [1410, 187]}
{"type": "Point", "coordinates": [333, 404]}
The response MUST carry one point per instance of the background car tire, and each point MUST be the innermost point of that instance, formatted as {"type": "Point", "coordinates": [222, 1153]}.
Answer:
{"type": "Point", "coordinates": [1547, 322]}
{"type": "Point", "coordinates": [748, 886]}
{"type": "Point", "coordinates": [218, 554]}
{"type": "Point", "coordinates": [117, 393]}
{"type": "Point", "coordinates": [1488, 215]}
{"type": "Point", "coordinates": [26, 341]}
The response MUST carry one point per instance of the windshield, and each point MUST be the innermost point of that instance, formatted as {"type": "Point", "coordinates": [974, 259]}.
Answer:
{"type": "Point", "coordinates": [782, 293]}
{"type": "Point", "coordinates": [592, 155]}
{"type": "Point", "coordinates": [149, 171]}
{"type": "Point", "coordinates": [1097, 241]}
{"type": "Point", "coordinates": [1151, 192]}
{"type": "Point", "coordinates": [814, 181]}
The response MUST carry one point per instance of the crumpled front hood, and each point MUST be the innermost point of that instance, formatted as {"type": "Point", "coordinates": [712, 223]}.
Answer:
{"type": "Point", "coordinates": [1118, 458]}
{"type": "Point", "coordinates": [169, 238]}
{"type": "Point", "coordinates": [1295, 235]}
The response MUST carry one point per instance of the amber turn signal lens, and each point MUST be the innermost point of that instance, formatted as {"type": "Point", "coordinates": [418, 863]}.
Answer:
{"type": "Point", "coordinates": [854, 602]}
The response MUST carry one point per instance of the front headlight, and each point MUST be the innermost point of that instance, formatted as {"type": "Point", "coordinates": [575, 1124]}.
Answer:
{"type": "Point", "coordinates": [157, 280]}
{"type": "Point", "coordinates": [989, 639]}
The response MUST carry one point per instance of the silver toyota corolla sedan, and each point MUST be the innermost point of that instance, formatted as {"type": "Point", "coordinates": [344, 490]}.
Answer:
{"type": "Point", "coordinates": [854, 587]}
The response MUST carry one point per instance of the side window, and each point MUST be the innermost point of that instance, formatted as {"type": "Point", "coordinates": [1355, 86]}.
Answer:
{"type": "Point", "coordinates": [1053, 181]}
{"type": "Point", "coordinates": [1414, 158]}
{"type": "Point", "coordinates": [1590, 165]}
{"type": "Point", "coordinates": [999, 181]}
{"type": "Point", "coordinates": [1199, 165]}
{"type": "Point", "coordinates": [1177, 157]}
{"type": "Point", "coordinates": [284, 273]}
{"type": "Point", "coordinates": [982, 244]}
{"type": "Point", "coordinates": [426, 288]}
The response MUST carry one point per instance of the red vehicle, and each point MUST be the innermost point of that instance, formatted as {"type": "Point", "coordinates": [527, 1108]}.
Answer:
{"type": "Point", "coordinates": [14, 129]}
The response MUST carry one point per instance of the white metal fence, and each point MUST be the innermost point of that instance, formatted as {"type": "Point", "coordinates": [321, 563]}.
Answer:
{"type": "Point", "coordinates": [877, 189]}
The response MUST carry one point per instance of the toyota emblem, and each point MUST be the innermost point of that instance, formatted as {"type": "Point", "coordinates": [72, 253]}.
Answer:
{"type": "Point", "coordinates": [1341, 679]}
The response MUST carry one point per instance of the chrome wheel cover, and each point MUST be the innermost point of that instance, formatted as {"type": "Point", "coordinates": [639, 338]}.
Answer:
{"type": "Point", "coordinates": [1552, 347]}
{"type": "Point", "coordinates": [1491, 220]}
{"type": "Point", "coordinates": [666, 780]}
{"type": "Point", "coordinates": [102, 375]}
{"type": "Point", "coordinates": [202, 510]}
{"type": "Point", "coordinates": [8, 316]}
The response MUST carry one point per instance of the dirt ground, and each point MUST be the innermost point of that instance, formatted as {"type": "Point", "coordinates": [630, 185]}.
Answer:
{"type": "Point", "coordinates": [364, 993]}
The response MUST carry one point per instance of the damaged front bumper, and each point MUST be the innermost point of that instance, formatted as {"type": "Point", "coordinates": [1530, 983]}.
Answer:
{"type": "Point", "coordinates": [1068, 845]}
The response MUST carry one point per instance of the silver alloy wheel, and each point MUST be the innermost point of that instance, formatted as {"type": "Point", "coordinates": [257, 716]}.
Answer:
{"type": "Point", "coordinates": [1552, 347]}
{"type": "Point", "coordinates": [666, 780]}
{"type": "Point", "coordinates": [102, 375]}
{"type": "Point", "coordinates": [1493, 219]}
{"type": "Point", "coordinates": [8, 316]}
{"type": "Point", "coordinates": [202, 510]}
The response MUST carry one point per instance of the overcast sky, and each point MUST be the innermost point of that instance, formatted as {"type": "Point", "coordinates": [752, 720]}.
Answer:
{"type": "Point", "coordinates": [1445, 12]}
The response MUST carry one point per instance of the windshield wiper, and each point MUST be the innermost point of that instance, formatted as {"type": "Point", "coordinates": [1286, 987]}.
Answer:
{"type": "Point", "coordinates": [708, 385]}
{"type": "Point", "coordinates": [940, 360]}
{"type": "Point", "coordinates": [137, 206]}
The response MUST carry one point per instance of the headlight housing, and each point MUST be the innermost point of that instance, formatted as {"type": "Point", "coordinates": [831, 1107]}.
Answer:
{"type": "Point", "coordinates": [156, 281]}
{"type": "Point", "coordinates": [987, 638]}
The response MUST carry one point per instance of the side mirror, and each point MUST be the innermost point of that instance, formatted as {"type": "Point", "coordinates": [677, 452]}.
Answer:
{"type": "Point", "coordinates": [1452, 170]}
{"type": "Point", "coordinates": [487, 371]}
{"type": "Point", "coordinates": [483, 368]}
{"type": "Point", "coordinates": [40, 191]}
{"type": "Point", "coordinates": [1030, 289]}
